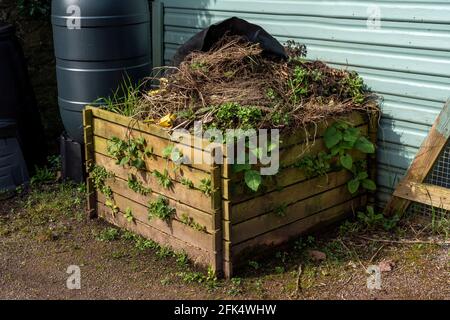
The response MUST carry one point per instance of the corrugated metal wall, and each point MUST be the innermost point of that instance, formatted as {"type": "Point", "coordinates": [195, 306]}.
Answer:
{"type": "Point", "coordinates": [406, 60]}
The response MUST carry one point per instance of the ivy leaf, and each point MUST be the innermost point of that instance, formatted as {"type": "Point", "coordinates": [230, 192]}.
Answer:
{"type": "Point", "coordinates": [253, 179]}
{"type": "Point", "coordinates": [241, 167]}
{"type": "Point", "coordinates": [332, 137]}
{"type": "Point", "coordinates": [363, 175]}
{"type": "Point", "coordinates": [347, 161]}
{"type": "Point", "coordinates": [369, 185]}
{"type": "Point", "coordinates": [351, 135]}
{"type": "Point", "coordinates": [353, 186]}
{"type": "Point", "coordinates": [364, 145]}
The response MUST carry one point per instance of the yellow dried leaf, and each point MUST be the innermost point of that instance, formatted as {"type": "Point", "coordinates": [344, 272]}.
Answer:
{"type": "Point", "coordinates": [153, 93]}
{"type": "Point", "coordinates": [167, 121]}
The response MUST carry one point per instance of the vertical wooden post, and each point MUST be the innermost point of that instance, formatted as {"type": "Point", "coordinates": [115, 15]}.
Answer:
{"type": "Point", "coordinates": [372, 159]}
{"type": "Point", "coordinates": [217, 259]}
{"type": "Point", "coordinates": [89, 151]}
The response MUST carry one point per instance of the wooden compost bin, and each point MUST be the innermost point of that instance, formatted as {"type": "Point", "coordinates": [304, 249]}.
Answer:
{"type": "Point", "coordinates": [237, 224]}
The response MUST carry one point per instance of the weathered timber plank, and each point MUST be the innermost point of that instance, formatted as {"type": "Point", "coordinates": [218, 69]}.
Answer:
{"type": "Point", "coordinates": [284, 197]}
{"type": "Point", "coordinates": [210, 221]}
{"type": "Point", "coordinates": [173, 227]}
{"type": "Point", "coordinates": [89, 154]}
{"type": "Point", "coordinates": [289, 156]}
{"type": "Point", "coordinates": [101, 145]}
{"type": "Point", "coordinates": [425, 159]}
{"type": "Point", "coordinates": [198, 256]}
{"type": "Point", "coordinates": [192, 197]}
{"type": "Point", "coordinates": [317, 131]}
{"type": "Point", "coordinates": [299, 210]}
{"type": "Point", "coordinates": [159, 164]}
{"type": "Point", "coordinates": [152, 129]}
{"type": "Point", "coordinates": [431, 195]}
{"type": "Point", "coordinates": [291, 231]}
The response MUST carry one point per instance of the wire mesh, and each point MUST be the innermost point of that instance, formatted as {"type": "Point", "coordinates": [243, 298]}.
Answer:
{"type": "Point", "coordinates": [439, 176]}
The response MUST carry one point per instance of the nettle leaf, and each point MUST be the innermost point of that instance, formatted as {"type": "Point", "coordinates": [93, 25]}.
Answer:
{"type": "Point", "coordinates": [369, 185]}
{"type": "Point", "coordinates": [364, 145]}
{"type": "Point", "coordinates": [347, 161]}
{"type": "Point", "coordinates": [332, 137]}
{"type": "Point", "coordinates": [253, 179]}
{"type": "Point", "coordinates": [353, 186]}
{"type": "Point", "coordinates": [241, 167]}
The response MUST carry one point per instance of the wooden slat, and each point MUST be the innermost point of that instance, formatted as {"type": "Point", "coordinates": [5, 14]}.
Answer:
{"type": "Point", "coordinates": [372, 162]}
{"type": "Point", "coordinates": [297, 192]}
{"type": "Point", "coordinates": [287, 232]}
{"type": "Point", "coordinates": [149, 129]}
{"type": "Point", "coordinates": [159, 164]}
{"type": "Point", "coordinates": [191, 197]}
{"type": "Point", "coordinates": [197, 255]}
{"type": "Point", "coordinates": [108, 130]}
{"type": "Point", "coordinates": [299, 210]}
{"type": "Point", "coordinates": [210, 221]}
{"type": "Point", "coordinates": [425, 159]}
{"type": "Point", "coordinates": [291, 155]}
{"type": "Point", "coordinates": [89, 154]}
{"type": "Point", "coordinates": [317, 131]}
{"type": "Point", "coordinates": [434, 196]}
{"type": "Point", "coordinates": [173, 227]}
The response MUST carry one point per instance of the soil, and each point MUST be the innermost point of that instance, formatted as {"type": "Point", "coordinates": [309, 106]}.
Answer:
{"type": "Point", "coordinates": [44, 231]}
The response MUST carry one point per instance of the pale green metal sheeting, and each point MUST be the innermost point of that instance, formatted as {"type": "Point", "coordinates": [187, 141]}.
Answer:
{"type": "Point", "coordinates": [406, 60]}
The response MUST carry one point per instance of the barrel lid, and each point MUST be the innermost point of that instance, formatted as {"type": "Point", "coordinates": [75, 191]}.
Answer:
{"type": "Point", "coordinates": [6, 29]}
{"type": "Point", "coordinates": [100, 12]}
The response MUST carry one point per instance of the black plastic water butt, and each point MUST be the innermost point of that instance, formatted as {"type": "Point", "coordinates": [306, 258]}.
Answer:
{"type": "Point", "coordinates": [17, 100]}
{"type": "Point", "coordinates": [98, 44]}
{"type": "Point", "coordinates": [13, 170]}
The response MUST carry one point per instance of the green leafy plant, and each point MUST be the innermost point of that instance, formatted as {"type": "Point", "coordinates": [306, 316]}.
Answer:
{"type": "Point", "coordinates": [137, 186]}
{"type": "Point", "coordinates": [354, 87]}
{"type": "Point", "coordinates": [34, 8]}
{"type": "Point", "coordinates": [160, 209]}
{"type": "Point", "coordinates": [189, 221]}
{"type": "Point", "coordinates": [129, 214]}
{"type": "Point", "coordinates": [371, 220]}
{"type": "Point", "coordinates": [187, 183]}
{"type": "Point", "coordinates": [108, 235]}
{"type": "Point", "coordinates": [172, 153]}
{"type": "Point", "coordinates": [315, 165]}
{"type": "Point", "coordinates": [43, 175]}
{"type": "Point", "coordinates": [340, 140]}
{"type": "Point", "coordinates": [130, 153]}
{"type": "Point", "coordinates": [281, 211]}
{"type": "Point", "coordinates": [205, 187]}
{"type": "Point", "coordinates": [298, 83]}
{"type": "Point", "coordinates": [233, 115]}
{"type": "Point", "coordinates": [163, 178]}
{"type": "Point", "coordinates": [99, 175]}
{"type": "Point", "coordinates": [48, 173]}
{"type": "Point", "coordinates": [210, 279]}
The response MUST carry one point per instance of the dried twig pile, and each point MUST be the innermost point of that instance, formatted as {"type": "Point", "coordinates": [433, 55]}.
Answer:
{"type": "Point", "coordinates": [235, 85]}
